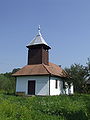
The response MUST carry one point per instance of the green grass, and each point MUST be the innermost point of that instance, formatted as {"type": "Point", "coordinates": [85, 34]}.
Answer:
{"type": "Point", "coordinates": [76, 107]}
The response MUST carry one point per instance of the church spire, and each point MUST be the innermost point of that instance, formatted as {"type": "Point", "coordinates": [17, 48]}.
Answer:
{"type": "Point", "coordinates": [38, 40]}
{"type": "Point", "coordinates": [39, 33]}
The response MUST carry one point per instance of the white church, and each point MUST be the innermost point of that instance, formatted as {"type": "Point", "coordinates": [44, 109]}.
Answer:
{"type": "Point", "coordinates": [39, 76]}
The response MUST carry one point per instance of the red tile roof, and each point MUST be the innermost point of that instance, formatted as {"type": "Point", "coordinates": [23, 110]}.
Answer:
{"type": "Point", "coordinates": [41, 69]}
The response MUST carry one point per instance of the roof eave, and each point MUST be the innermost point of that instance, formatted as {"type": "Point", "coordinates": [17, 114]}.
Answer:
{"type": "Point", "coordinates": [31, 75]}
{"type": "Point", "coordinates": [30, 46]}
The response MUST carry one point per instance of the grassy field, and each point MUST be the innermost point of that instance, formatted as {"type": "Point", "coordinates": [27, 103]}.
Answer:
{"type": "Point", "coordinates": [75, 107]}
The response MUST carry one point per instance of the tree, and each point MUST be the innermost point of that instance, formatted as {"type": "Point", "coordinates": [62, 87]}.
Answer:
{"type": "Point", "coordinates": [77, 73]}
{"type": "Point", "coordinates": [15, 70]}
{"type": "Point", "coordinates": [7, 83]}
{"type": "Point", "coordinates": [88, 76]}
{"type": "Point", "coordinates": [88, 68]}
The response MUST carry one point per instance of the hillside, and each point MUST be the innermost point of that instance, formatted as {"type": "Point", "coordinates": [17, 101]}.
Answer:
{"type": "Point", "coordinates": [75, 107]}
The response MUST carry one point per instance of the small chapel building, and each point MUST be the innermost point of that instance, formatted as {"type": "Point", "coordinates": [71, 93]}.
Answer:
{"type": "Point", "coordinates": [39, 76]}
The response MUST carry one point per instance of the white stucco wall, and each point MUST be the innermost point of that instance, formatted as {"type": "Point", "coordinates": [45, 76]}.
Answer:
{"type": "Point", "coordinates": [59, 89]}
{"type": "Point", "coordinates": [41, 85]}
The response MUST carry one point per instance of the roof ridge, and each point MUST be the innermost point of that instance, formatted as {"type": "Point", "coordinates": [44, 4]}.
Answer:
{"type": "Point", "coordinates": [46, 68]}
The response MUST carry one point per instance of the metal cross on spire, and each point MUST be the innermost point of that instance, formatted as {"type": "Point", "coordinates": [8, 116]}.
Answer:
{"type": "Point", "coordinates": [39, 33]}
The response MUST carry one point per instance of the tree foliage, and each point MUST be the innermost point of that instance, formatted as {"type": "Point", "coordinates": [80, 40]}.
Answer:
{"type": "Point", "coordinates": [15, 70]}
{"type": "Point", "coordinates": [88, 68]}
{"type": "Point", "coordinates": [7, 82]}
{"type": "Point", "coordinates": [79, 75]}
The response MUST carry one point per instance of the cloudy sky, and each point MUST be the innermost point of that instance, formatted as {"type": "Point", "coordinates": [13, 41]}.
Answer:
{"type": "Point", "coordinates": [65, 26]}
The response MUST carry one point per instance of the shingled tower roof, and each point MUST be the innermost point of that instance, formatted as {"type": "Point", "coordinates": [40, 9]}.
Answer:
{"type": "Point", "coordinates": [38, 40]}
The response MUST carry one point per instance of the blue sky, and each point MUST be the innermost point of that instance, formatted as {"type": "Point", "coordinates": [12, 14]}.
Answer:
{"type": "Point", "coordinates": [65, 26]}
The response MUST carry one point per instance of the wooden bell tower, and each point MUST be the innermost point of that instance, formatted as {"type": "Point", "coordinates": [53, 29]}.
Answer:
{"type": "Point", "coordinates": [38, 50]}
